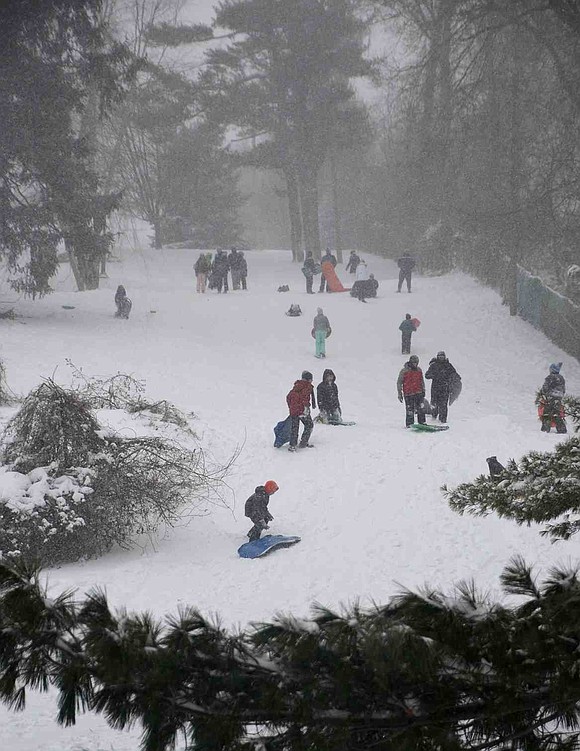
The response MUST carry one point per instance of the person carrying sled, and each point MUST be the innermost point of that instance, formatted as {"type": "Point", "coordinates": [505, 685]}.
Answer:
{"type": "Point", "coordinates": [551, 394]}
{"type": "Point", "coordinates": [122, 302]}
{"type": "Point", "coordinates": [309, 269]}
{"type": "Point", "coordinates": [328, 257]}
{"type": "Point", "coordinates": [440, 372]}
{"type": "Point", "coordinates": [407, 328]}
{"type": "Point", "coordinates": [406, 265]}
{"type": "Point", "coordinates": [411, 390]}
{"type": "Point", "coordinates": [256, 509]}
{"type": "Point", "coordinates": [321, 329]}
{"type": "Point", "coordinates": [353, 262]}
{"type": "Point", "coordinates": [328, 401]}
{"type": "Point", "coordinates": [298, 400]}
{"type": "Point", "coordinates": [202, 267]}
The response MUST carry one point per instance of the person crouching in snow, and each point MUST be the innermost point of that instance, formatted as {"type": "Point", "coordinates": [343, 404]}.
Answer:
{"type": "Point", "coordinates": [298, 400]}
{"type": "Point", "coordinates": [411, 389]}
{"type": "Point", "coordinates": [328, 402]}
{"type": "Point", "coordinates": [122, 302]}
{"type": "Point", "coordinates": [320, 330]}
{"type": "Point", "coordinates": [551, 395]}
{"type": "Point", "coordinates": [256, 508]}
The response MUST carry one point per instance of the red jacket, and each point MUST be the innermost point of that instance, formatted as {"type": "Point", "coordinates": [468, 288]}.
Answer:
{"type": "Point", "coordinates": [410, 381]}
{"type": "Point", "coordinates": [299, 397]}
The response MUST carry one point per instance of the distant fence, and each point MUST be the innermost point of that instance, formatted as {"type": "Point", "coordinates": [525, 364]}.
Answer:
{"type": "Point", "coordinates": [551, 312]}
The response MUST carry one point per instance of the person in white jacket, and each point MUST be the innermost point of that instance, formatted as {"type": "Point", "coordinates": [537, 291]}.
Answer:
{"type": "Point", "coordinates": [361, 276]}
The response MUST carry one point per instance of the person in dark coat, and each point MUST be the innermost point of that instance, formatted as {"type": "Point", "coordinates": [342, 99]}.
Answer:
{"type": "Point", "coordinates": [256, 508]}
{"type": "Point", "coordinates": [328, 401]}
{"type": "Point", "coordinates": [326, 258]}
{"type": "Point", "coordinates": [122, 302]}
{"type": "Point", "coordinates": [406, 265]}
{"type": "Point", "coordinates": [439, 372]}
{"type": "Point", "coordinates": [372, 286]}
{"type": "Point", "coordinates": [234, 259]}
{"type": "Point", "coordinates": [551, 395]}
{"type": "Point", "coordinates": [411, 389]}
{"type": "Point", "coordinates": [407, 328]}
{"type": "Point", "coordinates": [298, 400]}
{"type": "Point", "coordinates": [308, 270]}
{"type": "Point", "coordinates": [353, 262]}
{"type": "Point", "coordinates": [243, 268]}
{"type": "Point", "coordinates": [221, 266]}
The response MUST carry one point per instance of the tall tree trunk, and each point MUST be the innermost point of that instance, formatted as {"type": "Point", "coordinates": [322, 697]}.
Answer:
{"type": "Point", "coordinates": [77, 272]}
{"type": "Point", "coordinates": [515, 157]}
{"type": "Point", "coordinates": [309, 205]}
{"type": "Point", "coordinates": [158, 235]}
{"type": "Point", "coordinates": [336, 207]}
{"type": "Point", "coordinates": [295, 214]}
{"type": "Point", "coordinates": [445, 124]}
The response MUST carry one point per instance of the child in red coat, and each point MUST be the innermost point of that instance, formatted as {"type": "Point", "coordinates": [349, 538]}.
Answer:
{"type": "Point", "coordinates": [298, 400]}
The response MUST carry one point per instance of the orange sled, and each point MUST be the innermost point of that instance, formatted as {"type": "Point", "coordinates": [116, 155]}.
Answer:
{"type": "Point", "coordinates": [334, 283]}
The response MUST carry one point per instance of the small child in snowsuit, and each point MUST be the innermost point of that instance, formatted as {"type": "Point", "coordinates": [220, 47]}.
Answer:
{"type": "Point", "coordinates": [320, 330]}
{"type": "Point", "coordinates": [551, 395]}
{"type": "Point", "coordinates": [122, 302]}
{"type": "Point", "coordinates": [407, 328]}
{"type": "Point", "coordinates": [256, 509]}
{"type": "Point", "coordinates": [328, 401]}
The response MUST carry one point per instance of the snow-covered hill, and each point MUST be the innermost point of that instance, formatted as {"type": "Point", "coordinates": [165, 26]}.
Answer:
{"type": "Point", "coordinates": [365, 500]}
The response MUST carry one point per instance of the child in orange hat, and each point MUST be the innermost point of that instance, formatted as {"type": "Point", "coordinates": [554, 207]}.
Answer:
{"type": "Point", "coordinates": [256, 508]}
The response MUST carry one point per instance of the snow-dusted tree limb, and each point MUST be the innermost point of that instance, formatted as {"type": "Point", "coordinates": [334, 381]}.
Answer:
{"type": "Point", "coordinates": [427, 671]}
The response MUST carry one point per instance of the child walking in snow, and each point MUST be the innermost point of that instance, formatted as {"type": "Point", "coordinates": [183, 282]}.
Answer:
{"type": "Point", "coordinates": [122, 302]}
{"type": "Point", "coordinates": [256, 508]}
{"type": "Point", "coordinates": [298, 400]}
{"type": "Point", "coordinates": [320, 330]}
{"type": "Point", "coordinates": [407, 328]}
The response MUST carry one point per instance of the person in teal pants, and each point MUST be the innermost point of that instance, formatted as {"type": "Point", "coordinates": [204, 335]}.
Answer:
{"type": "Point", "coordinates": [320, 330]}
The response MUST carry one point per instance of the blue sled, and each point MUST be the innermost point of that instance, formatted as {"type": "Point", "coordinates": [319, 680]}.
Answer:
{"type": "Point", "coordinates": [264, 545]}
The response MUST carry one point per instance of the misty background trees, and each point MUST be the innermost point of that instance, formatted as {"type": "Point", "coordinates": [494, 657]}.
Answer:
{"type": "Point", "coordinates": [444, 127]}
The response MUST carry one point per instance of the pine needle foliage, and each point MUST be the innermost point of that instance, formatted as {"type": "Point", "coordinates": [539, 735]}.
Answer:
{"type": "Point", "coordinates": [541, 488]}
{"type": "Point", "coordinates": [429, 670]}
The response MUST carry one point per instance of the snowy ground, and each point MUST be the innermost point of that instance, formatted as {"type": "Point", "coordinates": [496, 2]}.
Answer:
{"type": "Point", "coordinates": [365, 500]}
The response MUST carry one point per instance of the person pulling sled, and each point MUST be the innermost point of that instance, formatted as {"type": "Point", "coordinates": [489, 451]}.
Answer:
{"type": "Point", "coordinates": [298, 400]}
{"type": "Point", "coordinates": [551, 408]}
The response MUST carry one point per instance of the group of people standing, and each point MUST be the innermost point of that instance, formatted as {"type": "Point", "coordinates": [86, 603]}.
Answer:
{"type": "Point", "coordinates": [214, 274]}
{"type": "Point", "coordinates": [411, 388]}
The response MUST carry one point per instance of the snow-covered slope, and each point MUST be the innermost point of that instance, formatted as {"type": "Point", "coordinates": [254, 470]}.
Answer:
{"type": "Point", "coordinates": [365, 500]}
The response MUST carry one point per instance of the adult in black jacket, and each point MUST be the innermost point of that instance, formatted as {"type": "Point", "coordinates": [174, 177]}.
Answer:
{"type": "Point", "coordinates": [329, 258]}
{"type": "Point", "coordinates": [256, 508]}
{"type": "Point", "coordinates": [440, 371]}
{"type": "Point", "coordinates": [328, 401]}
{"type": "Point", "coordinates": [221, 266]}
{"type": "Point", "coordinates": [353, 262]}
{"type": "Point", "coordinates": [308, 270]}
{"type": "Point", "coordinates": [406, 265]}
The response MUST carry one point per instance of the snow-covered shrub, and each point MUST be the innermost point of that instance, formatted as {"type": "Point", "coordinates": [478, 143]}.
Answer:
{"type": "Point", "coordinates": [69, 490]}
{"type": "Point", "coordinates": [123, 391]}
